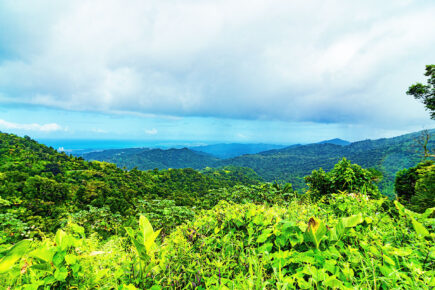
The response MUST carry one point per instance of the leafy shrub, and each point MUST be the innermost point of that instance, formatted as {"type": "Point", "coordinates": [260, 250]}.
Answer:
{"type": "Point", "coordinates": [344, 177]}
{"type": "Point", "coordinates": [98, 220]}
{"type": "Point", "coordinates": [415, 186]}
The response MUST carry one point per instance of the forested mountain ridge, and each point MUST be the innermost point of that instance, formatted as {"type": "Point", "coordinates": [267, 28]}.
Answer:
{"type": "Point", "coordinates": [41, 187]}
{"type": "Point", "coordinates": [229, 150]}
{"type": "Point", "coordinates": [145, 158]}
{"type": "Point", "coordinates": [336, 141]}
{"type": "Point", "coordinates": [291, 164]}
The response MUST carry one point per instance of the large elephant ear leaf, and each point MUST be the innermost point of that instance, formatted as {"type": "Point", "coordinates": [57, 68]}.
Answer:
{"type": "Point", "coordinates": [352, 221]}
{"type": "Point", "coordinates": [315, 231]}
{"type": "Point", "coordinates": [13, 255]}
{"type": "Point", "coordinates": [419, 228]}
{"type": "Point", "coordinates": [145, 227]}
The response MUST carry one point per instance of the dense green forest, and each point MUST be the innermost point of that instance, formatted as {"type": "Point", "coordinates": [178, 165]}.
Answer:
{"type": "Point", "coordinates": [145, 158]}
{"type": "Point", "coordinates": [290, 164]}
{"type": "Point", "coordinates": [70, 223]}
{"type": "Point", "coordinates": [231, 150]}
{"type": "Point", "coordinates": [388, 155]}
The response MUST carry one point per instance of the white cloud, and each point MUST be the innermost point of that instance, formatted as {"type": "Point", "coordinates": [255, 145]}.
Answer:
{"type": "Point", "coordinates": [321, 61]}
{"type": "Point", "coordinates": [152, 131]}
{"type": "Point", "coordinates": [51, 127]}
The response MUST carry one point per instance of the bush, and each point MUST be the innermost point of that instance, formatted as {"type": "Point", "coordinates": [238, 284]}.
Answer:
{"type": "Point", "coordinates": [344, 177]}
{"type": "Point", "coordinates": [415, 186]}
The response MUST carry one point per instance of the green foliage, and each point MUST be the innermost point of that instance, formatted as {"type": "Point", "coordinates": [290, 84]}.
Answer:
{"type": "Point", "coordinates": [426, 93]}
{"type": "Point", "coordinates": [145, 158]}
{"type": "Point", "coordinates": [254, 246]}
{"type": "Point", "coordinates": [144, 242]}
{"type": "Point", "coordinates": [344, 177]}
{"type": "Point", "coordinates": [242, 246]}
{"type": "Point", "coordinates": [415, 186]}
{"type": "Point", "coordinates": [98, 220]}
{"type": "Point", "coordinates": [40, 188]}
{"type": "Point", "coordinates": [290, 164]}
{"type": "Point", "coordinates": [71, 224]}
{"type": "Point", "coordinates": [165, 214]}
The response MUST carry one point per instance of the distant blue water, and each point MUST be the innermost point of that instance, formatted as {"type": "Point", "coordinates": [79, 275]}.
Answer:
{"type": "Point", "coordinates": [76, 145]}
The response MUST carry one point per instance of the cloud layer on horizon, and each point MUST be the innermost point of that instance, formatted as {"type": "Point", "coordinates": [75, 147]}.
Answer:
{"type": "Point", "coordinates": [51, 127]}
{"type": "Point", "coordinates": [318, 61]}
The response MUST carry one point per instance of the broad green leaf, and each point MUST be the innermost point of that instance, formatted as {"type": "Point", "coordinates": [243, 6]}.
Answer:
{"type": "Point", "coordinates": [44, 267]}
{"type": "Point", "coordinates": [75, 268]}
{"type": "Point", "coordinates": [101, 274]}
{"type": "Point", "coordinates": [145, 227]}
{"type": "Point", "coordinates": [60, 234]}
{"type": "Point", "coordinates": [419, 228]}
{"type": "Point", "coordinates": [6, 263]}
{"type": "Point", "coordinates": [264, 235]}
{"type": "Point", "coordinates": [20, 248]}
{"type": "Point", "coordinates": [70, 259]}
{"type": "Point", "coordinates": [428, 212]}
{"type": "Point", "coordinates": [43, 253]}
{"type": "Point", "coordinates": [352, 221]}
{"type": "Point", "coordinates": [399, 207]}
{"type": "Point", "coordinates": [128, 287]}
{"type": "Point", "coordinates": [388, 260]}
{"type": "Point", "coordinates": [140, 247]}
{"type": "Point", "coordinates": [59, 258]}
{"type": "Point", "coordinates": [13, 255]}
{"type": "Point", "coordinates": [62, 240]}
{"type": "Point", "coordinates": [78, 229]}
{"type": "Point", "coordinates": [401, 252]}
{"type": "Point", "coordinates": [315, 231]}
{"type": "Point", "coordinates": [49, 280]}
{"type": "Point", "coordinates": [333, 282]}
{"type": "Point", "coordinates": [61, 274]}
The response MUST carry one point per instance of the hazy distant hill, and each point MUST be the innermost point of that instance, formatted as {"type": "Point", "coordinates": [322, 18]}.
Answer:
{"type": "Point", "coordinates": [146, 158]}
{"type": "Point", "coordinates": [235, 149]}
{"type": "Point", "coordinates": [336, 141]}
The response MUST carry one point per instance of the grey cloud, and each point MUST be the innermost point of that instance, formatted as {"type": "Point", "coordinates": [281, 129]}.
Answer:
{"type": "Point", "coordinates": [319, 61]}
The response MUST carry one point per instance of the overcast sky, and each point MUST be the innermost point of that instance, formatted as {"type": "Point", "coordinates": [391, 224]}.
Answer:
{"type": "Point", "coordinates": [231, 71]}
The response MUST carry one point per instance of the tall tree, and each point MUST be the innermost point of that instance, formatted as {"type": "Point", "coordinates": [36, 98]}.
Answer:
{"type": "Point", "coordinates": [426, 93]}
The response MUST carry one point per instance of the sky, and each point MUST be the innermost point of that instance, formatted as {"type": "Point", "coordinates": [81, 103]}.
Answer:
{"type": "Point", "coordinates": [213, 71]}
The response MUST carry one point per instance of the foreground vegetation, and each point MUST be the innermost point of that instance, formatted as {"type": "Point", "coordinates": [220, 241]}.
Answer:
{"type": "Point", "coordinates": [344, 241]}
{"type": "Point", "coordinates": [67, 223]}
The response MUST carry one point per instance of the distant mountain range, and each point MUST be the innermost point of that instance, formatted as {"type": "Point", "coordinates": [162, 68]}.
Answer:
{"type": "Point", "coordinates": [289, 164]}
{"type": "Point", "coordinates": [336, 141]}
{"type": "Point", "coordinates": [146, 158]}
{"type": "Point", "coordinates": [231, 150]}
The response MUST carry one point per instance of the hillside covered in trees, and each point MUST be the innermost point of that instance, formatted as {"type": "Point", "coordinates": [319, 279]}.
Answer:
{"type": "Point", "coordinates": [290, 164]}
{"type": "Point", "coordinates": [70, 223]}
{"type": "Point", "coordinates": [145, 158]}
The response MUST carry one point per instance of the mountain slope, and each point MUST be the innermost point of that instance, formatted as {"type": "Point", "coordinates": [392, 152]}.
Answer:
{"type": "Point", "coordinates": [235, 149]}
{"type": "Point", "coordinates": [40, 186]}
{"type": "Point", "coordinates": [145, 158]}
{"type": "Point", "coordinates": [291, 164]}
{"type": "Point", "coordinates": [336, 141]}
